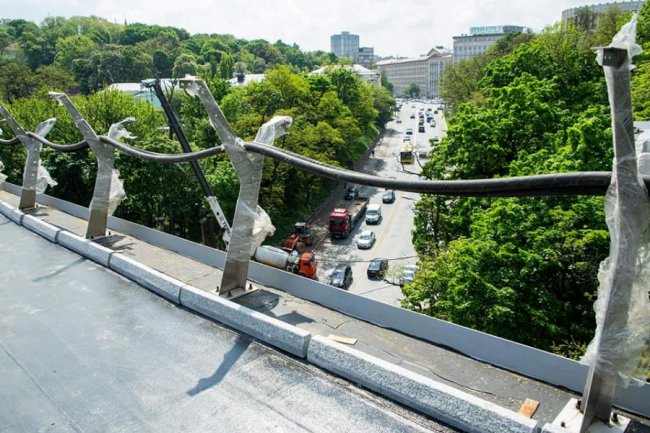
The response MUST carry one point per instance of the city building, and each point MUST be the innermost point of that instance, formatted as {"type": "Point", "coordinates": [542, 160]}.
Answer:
{"type": "Point", "coordinates": [346, 45]}
{"type": "Point", "coordinates": [366, 56]}
{"type": "Point", "coordinates": [424, 71]}
{"type": "Point", "coordinates": [143, 93]}
{"type": "Point", "coordinates": [244, 79]}
{"type": "Point", "coordinates": [590, 20]}
{"type": "Point", "coordinates": [365, 74]}
{"type": "Point", "coordinates": [479, 40]}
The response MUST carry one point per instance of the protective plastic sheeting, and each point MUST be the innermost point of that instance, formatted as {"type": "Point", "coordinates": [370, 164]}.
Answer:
{"type": "Point", "coordinates": [623, 322]}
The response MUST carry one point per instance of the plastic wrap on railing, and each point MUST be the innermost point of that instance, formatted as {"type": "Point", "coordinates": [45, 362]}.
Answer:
{"type": "Point", "coordinates": [113, 184]}
{"type": "Point", "coordinates": [262, 228]}
{"type": "Point", "coordinates": [627, 209]}
{"type": "Point", "coordinates": [274, 128]}
{"type": "Point", "coordinates": [43, 180]}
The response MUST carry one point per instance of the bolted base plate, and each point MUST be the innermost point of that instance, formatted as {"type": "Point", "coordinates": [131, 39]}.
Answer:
{"type": "Point", "coordinates": [570, 418]}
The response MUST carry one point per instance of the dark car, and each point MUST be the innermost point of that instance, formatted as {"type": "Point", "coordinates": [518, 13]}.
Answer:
{"type": "Point", "coordinates": [341, 276]}
{"type": "Point", "coordinates": [388, 197]}
{"type": "Point", "coordinates": [352, 193]}
{"type": "Point", "coordinates": [377, 268]}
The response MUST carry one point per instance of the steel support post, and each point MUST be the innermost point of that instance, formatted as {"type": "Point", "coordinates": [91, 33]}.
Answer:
{"type": "Point", "coordinates": [249, 170]}
{"type": "Point", "coordinates": [33, 160]}
{"type": "Point", "coordinates": [629, 195]}
{"type": "Point", "coordinates": [105, 155]}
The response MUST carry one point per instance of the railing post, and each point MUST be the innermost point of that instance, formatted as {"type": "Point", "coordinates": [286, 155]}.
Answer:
{"type": "Point", "coordinates": [33, 160]}
{"type": "Point", "coordinates": [627, 200]}
{"type": "Point", "coordinates": [105, 155]}
{"type": "Point", "coordinates": [249, 217]}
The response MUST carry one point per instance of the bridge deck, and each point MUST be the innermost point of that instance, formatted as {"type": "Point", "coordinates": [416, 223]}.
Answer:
{"type": "Point", "coordinates": [82, 349]}
{"type": "Point", "coordinates": [502, 387]}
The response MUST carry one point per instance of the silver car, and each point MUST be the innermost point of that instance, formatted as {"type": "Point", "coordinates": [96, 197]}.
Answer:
{"type": "Point", "coordinates": [408, 274]}
{"type": "Point", "coordinates": [366, 240]}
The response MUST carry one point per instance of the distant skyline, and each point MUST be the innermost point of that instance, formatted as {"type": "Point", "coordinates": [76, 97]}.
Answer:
{"type": "Point", "coordinates": [406, 28]}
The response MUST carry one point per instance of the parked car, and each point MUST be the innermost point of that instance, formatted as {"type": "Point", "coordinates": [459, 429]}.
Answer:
{"type": "Point", "coordinates": [412, 115]}
{"type": "Point", "coordinates": [436, 138]}
{"type": "Point", "coordinates": [399, 120]}
{"type": "Point", "coordinates": [423, 153]}
{"type": "Point", "coordinates": [409, 131]}
{"type": "Point", "coordinates": [406, 138]}
{"type": "Point", "coordinates": [421, 128]}
{"type": "Point", "coordinates": [389, 196]}
{"type": "Point", "coordinates": [377, 268]}
{"type": "Point", "coordinates": [341, 276]}
{"type": "Point", "coordinates": [366, 240]}
{"type": "Point", "coordinates": [352, 193]}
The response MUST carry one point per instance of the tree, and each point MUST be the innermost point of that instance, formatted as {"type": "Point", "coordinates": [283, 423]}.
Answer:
{"type": "Point", "coordinates": [226, 66]}
{"type": "Point", "coordinates": [185, 64]}
{"type": "Point", "coordinates": [5, 40]}
{"type": "Point", "coordinates": [384, 81]}
{"type": "Point", "coordinates": [163, 64]}
{"type": "Point", "coordinates": [502, 265]}
{"type": "Point", "coordinates": [412, 90]}
{"type": "Point", "coordinates": [16, 81]}
{"type": "Point", "coordinates": [70, 48]}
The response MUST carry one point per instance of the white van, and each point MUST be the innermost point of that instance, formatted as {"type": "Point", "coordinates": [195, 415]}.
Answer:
{"type": "Point", "coordinates": [373, 213]}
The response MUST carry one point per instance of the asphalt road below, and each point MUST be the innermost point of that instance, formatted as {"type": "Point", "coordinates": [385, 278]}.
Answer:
{"type": "Point", "coordinates": [394, 231]}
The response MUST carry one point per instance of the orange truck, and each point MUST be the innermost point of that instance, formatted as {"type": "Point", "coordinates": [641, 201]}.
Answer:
{"type": "Point", "coordinates": [304, 264]}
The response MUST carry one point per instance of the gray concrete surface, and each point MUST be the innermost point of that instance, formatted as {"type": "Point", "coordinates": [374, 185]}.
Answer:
{"type": "Point", "coordinates": [153, 280]}
{"type": "Point", "coordinates": [275, 332]}
{"type": "Point", "coordinates": [41, 228]}
{"type": "Point", "coordinates": [82, 349]}
{"type": "Point", "coordinates": [480, 379]}
{"type": "Point", "coordinates": [443, 402]}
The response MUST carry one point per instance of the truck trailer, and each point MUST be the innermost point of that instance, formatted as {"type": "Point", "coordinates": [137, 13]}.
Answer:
{"type": "Point", "coordinates": [346, 215]}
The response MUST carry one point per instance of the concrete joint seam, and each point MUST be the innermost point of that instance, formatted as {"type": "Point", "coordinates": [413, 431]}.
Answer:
{"type": "Point", "coordinates": [152, 279]}
{"type": "Point", "coordinates": [440, 401]}
{"type": "Point", "coordinates": [273, 331]}
{"type": "Point", "coordinates": [42, 228]}
{"type": "Point", "coordinates": [85, 247]}
{"type": "Point", "coordinates": [12, 213]}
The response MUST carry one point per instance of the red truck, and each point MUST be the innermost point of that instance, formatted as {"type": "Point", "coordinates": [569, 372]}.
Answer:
{"type": "Point", "coordinates": [345, 216]}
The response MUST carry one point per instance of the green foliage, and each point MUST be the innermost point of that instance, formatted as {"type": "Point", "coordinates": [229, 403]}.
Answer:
{"type": "Point", "coordinates": [523, 269]}
{"type": "Point", "coordinates": [412, 90]}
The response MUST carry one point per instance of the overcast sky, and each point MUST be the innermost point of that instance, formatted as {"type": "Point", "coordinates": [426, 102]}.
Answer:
{"type": "Point", "coordinates": [393, 27]}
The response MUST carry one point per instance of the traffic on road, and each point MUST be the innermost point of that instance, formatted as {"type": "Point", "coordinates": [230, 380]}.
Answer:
{"type": "Point", "coordinates": [371, 227]}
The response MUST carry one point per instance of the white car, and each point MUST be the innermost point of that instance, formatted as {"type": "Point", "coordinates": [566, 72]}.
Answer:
{"type": "Point", "coordinates": [408, 273]}
{"type": "Point", "coordinates": [366, 240]}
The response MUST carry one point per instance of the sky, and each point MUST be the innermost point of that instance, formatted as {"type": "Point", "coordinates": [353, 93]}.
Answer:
{"type": "Point", "coordinates": [406, 28]}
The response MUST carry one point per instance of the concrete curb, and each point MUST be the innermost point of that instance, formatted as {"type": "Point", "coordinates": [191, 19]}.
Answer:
{"type": "Point", "coordinates": [42, 228]}
{"type": "Point", "coordinates": [273, 331]}
{"type": "Point", "coordinates": [153, 280]}
{"type": "Point", "coordinates": [10, 212]}
{"type": "Point", "coordinates": [550, 428]}
{"type": "Point", "coordinates": [442, 402]}
{"type": "Point", "coordinates": [85, 247]}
